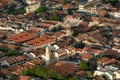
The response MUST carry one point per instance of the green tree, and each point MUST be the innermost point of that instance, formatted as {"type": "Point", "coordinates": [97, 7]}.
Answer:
{"type": "Point", "coordinates": [79, 45]}
{"type": "Point", "coordinates": [61, 77]}
{"type": "Point", "coordinates": [90, 74]}
{"type": "Point", "coordinates": [17, 11]}
{"type": "Point", "coordinates": [111, 1]}
{"type": "Point", "coordinates": [54, 18]}
{"type": "Point", "coordinates": [11, 52]}
{"type": "Point", "coordinates": [83, 65]}
{"type": "Point", "coordinates": [64, 2]}
{"type": "Point", "coordinates": [40, 10]}
{"type": "Point", "coordinates": [55, 29]}
{"type": "Point", "coordinates": [52, 74]}
{"type": "Point", "coordinates": [74, 78]}
{"type": "Point", "coordinates": [4, 49]}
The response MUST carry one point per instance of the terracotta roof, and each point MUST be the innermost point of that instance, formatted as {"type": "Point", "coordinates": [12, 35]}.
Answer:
{"type": "Point", "coordinates": [14, 68]}
{"type": "Point", "coordinates": [45, 25]}
{"type": "Point", "coordinates": [118, 71]}
{"type": "Point", "coordinates": [79, 49]}
{"type": "Point", "coordinates": [51, 22]}
{"type": "Point", "coordinates": [40, 41]}
{"type": "Point", "coordinates": [23, 78]}
{"type": "Point", "coordinates": [102, 12]}
{"type": "Point", "coordinates": [33, 30]}
{"type": "Point", "coordinates": [62, 68]}
{"type": "Point", "coordinates": [106, 61]}
{"type": "Point", "coordinates": [81, 73]}
{"type": "Point", "coordinates": [21, 37]}
{"type": "Point", "coordinates": [59, 33]}
{"type": "Point", "coordinates": [110, 52]}
{"type": "Point", "coordinates": [61, 53]}
{"type": "Point", "coordinates": [5, 71]}
{"type": "Point", "coordinates": [66, 6]}
{"type": "Point", "coordinates": [85, 56]}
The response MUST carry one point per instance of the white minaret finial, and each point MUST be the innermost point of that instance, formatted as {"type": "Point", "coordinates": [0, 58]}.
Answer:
{"type": "Point", "coordinates": [47, 54]}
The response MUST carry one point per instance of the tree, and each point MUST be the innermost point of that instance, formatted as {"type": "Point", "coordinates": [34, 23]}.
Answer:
{"type": "Point", "coordinates": [61, 77]}
{"type": "Point", "coordinates": [55, 29]}
{"type": "Point", "coordinates": [89, 74]}
{"type": "Point", "coordinates": [74, 78]}
{"type": "Point", "coordinates": [83, 65]}
{"type": "Point", "coordinates": [11, 52]}
{"type": "Point", "coordinates": [52, 74]}
{"type": "Point", "coordinates": [17, 11]}
{"type": "Point", "coordinates": [42, 73]}
{"type": "Point", "coordinates": [40, 10]}
{"type": "Point", "coordinates": [79, 45]}
{"type": "Point", "coordinates": [111, 1]}
{"type": "Point", "coordinates": [54, 18]}
{"type": "Point", "coordinates": [4, 49]}
{"type": "Point", "coordinates": [64, 2]}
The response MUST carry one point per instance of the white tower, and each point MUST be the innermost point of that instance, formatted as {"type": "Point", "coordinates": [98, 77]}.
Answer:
{"type": "Point", "coordinates": [47, 55]}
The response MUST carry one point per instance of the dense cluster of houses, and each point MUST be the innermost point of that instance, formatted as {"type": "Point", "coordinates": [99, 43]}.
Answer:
{"type": "Point", "coordinates": [98, 40]}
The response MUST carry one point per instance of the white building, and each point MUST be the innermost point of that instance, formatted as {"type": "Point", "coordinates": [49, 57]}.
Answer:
{"type": "Point", "coordinates": [90, 0]}
{"type": "Point", "coordinates": [32, 5]}
{"type": "Point", "coordinates": [46, 57]}
{"type": "Point", "coordinates": [117, 15]}
{"type": "Point", "coordinates": [81, 8]}
{"type": "Point", "coordinates": [108, 71]}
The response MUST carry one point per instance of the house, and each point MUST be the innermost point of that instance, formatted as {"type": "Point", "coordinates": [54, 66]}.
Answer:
{"type": "Point", "coordinates": [5, 73]}
{"type": "Point", "coordinates": [59, 34]}
{"type": "Point", "coordinates": [110, 53]}
{"type": "Point", "coordinates": [106, 61]}
{"type": "Point", "coordinates": [61, 54]}
{"type": "Point", "coordinates": [85, 57]}
{"type": "Point", "coordinates": [66, 7]}
{"type": "Point", "coordinates": [41, 41]}
{"type": "Point", "coordinates": [81, 73]}
{"type": "Point", "coordinates": [71, 49]}
{"type": "Point", "coordinates": [79, 50]}
{"type": "Point", "coordinates": [71, 21]}
{"type": "Point", "coordinates": [62, 67]}
{"type": "Point", "coordinates": [91, 51]}
{"type": "Point", "coordinates": [108, 71]}
{"type": "Point", "coordinates": [32, 5]}
{"type": "Point", "coordinates": [117, 74]}
{"type": "Point", "coordinates": [21, 37]}
{"type": "Point", "coordinates": [117, 48]}
{"type": "Point", "coordinates": [49, 24]}
{"type": "Point", "coordinates": [117, 41]}
{"type": "Point", "coordinates": [81, 7]}
{"type": "Point", "coordinates": [22, 78]}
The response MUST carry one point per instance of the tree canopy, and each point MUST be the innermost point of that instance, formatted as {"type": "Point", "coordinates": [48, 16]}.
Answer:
{"type": "Point", "coordinates": [83, 65]}
{"type": "Point", "coordinates": [42, 73]}
{"type": "Point", "coordinates": [40, 10]}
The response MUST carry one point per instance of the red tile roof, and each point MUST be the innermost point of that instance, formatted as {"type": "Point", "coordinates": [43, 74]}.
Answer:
{"type": "Point", "coordinates": [110, 52]}
{"type": "Point", "coordinates": [40, 41]}
{"type": "Point", "coordinates": [106, 61]}
{"type": "Point", "coordinates": [33, 30]}
{"type": "Point", "coordinates": [5, 71]}
{"type": "Point", "coordinates": [62, 68]}
{"type": "Point", "coordinates": [51, 22]}
{"type": "Point", "coordinates": [21, 37]}
{"type": "Point", "coordinates": [66, 6]}
{"type": "Point", "coordinates": [81, 73]}
{"type": "Point", "coordinates": [45, 25]}
{"type": "Point", "coordinates": [85, 56]}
